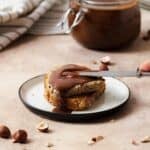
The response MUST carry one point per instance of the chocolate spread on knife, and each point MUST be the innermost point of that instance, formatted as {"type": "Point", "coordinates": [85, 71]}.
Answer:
{"type": "Point", "coordinates": [65, 77]}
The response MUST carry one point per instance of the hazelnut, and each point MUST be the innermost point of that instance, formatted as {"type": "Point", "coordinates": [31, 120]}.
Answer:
{"type": "Point", "coordinates": [90, 142]}
{"type": "Point", "coordinates": [93, 140]}
{"type": "Point", "coordinates": [146, 139]}
{"type": "Point", "coordinates": [20, 136]}
{"type": "Point", "coordinates": [43, 126]}
{"type": "Point", "coordinates": [103, 67]}
{"type": "Point", "coordinates": [145, 66]}
{"type": "Point", "coordinates": [105, 60]}
{"type": "Point", "coordinates": [4, 131]}
{"type": "Point", "coordinates": [49, 144]}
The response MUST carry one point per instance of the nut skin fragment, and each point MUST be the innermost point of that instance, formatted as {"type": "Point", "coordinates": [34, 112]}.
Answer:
{"type": "Point", "coordinates": [93, 140]}
{"type": "Point", "coordinates": [146, 139]}
{"type": "Point", "coordinates": [49, 144]}
{"type": "Point", "coordinates": [43, 126]}
{"type": "Point", "coordinates": [4, 131]}
{"type": "Point", "coordinates": [20, 136]}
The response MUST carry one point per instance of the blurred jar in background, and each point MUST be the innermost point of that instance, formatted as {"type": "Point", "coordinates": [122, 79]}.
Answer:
{"type": "Point", "coordinates": [104, 24]}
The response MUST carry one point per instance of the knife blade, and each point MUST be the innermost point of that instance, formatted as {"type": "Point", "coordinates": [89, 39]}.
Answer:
{"type": "Point", "coordinates": [113, 73]}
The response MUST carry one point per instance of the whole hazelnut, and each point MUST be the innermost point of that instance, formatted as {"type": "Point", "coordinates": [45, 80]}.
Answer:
{"type": "Point", "coordinates": [4, 131]}
{"type": "Point", "coordinates": [145, 66]}
{"type": "Point", "coordinates": [20, 136]}
{"type": "Point", "coordinates": [103, 67]}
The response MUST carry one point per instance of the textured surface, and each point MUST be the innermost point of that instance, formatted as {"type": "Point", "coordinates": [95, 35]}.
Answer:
{"type": "Point", "coordinates": [31, 56]}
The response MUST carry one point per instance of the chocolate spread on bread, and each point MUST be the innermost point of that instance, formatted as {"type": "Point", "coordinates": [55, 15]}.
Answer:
{"type": "Point", "coordinates": [65, 77]}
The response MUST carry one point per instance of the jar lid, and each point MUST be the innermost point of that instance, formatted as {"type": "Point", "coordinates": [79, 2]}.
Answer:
{"type": "Point", "coordinates": [112, 4]}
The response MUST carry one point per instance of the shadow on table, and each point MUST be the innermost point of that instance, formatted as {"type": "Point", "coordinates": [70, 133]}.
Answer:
{"type": "Point", "coordinates": [118, 114]}
{"type": "Point", "coordinates": [23, 40]}
{"type": "Point", "coordinates": [138, 46]}
{"type": "Point", "coordinates": [114, 115]}
{"type": "Point", "coordinates": [128, 109]}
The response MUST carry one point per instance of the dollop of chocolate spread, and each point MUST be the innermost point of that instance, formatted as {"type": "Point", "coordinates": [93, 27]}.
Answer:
{"type": "Point", "coordinates": [65, 77]}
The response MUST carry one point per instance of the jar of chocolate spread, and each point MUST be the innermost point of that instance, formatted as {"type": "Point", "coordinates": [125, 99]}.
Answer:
{"type": "Point", "coordinates": [104, 24]}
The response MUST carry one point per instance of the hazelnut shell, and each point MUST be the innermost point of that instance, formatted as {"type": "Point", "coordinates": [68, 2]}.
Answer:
{"type": "Point", "coordinates": [43, 127]}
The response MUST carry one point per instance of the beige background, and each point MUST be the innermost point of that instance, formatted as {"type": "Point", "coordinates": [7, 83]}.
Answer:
{"type": "Point", "coordinates": [32, 55]}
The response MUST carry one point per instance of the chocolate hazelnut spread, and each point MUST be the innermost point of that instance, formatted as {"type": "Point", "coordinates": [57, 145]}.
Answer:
{"type": "Point", "coordinates": [65, 77]}
{"type": "Point", "coordinates": [106, 24]}
{"type": "Point", "coordinates": [65, 89]}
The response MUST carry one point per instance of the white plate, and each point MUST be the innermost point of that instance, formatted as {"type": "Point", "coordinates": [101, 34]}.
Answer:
{"type": "Point", "coordinates": [32, 95]}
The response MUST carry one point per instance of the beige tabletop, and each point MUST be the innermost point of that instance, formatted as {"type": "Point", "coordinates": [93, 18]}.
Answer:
{"type": "Point", "coordinates": [34, 55]}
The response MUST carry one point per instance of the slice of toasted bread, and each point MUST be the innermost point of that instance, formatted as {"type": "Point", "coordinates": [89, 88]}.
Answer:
{"type": "Point", "coordinates": [79, 97]}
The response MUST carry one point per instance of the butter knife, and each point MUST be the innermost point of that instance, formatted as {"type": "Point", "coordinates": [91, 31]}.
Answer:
{"type": "Point", "coordinates": [113, 73]}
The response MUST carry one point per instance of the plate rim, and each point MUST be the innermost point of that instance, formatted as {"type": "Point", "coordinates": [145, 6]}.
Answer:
{"type": "Point", "coordinates": [67, 116]}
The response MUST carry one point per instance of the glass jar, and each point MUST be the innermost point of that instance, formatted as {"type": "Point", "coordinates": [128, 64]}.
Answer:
{"type": "Point", "coordinates": [104, 24]}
